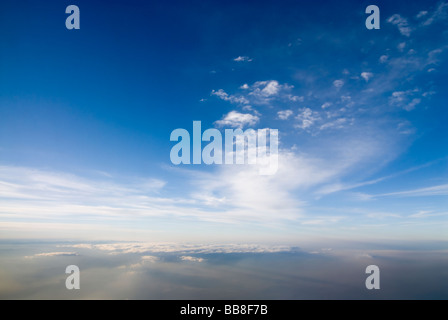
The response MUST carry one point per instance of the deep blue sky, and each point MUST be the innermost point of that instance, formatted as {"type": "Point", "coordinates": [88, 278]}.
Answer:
{"type": "Point", "coordinates": [86, 115]}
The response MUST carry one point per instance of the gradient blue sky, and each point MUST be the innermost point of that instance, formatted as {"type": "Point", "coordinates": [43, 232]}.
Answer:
{"type": "Point", "coordinates": [86, 116]}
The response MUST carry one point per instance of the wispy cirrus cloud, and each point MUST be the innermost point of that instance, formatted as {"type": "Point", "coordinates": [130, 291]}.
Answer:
{"type": "Point", "coordinates": [438, 190]}
{"type": "Point", "coordinates": [38, 194]}
{"type": "Point", "coordinates": [228, 194]}
{"type": "Point", "coordinates": [423, 214]}
{"type": "Point", "coordinates": [440, 13]}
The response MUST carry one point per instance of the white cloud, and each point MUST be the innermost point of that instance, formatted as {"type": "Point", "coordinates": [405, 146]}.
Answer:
{"type": "Point", "coordinates": [428, 93]}
{"type": "Point", "coordinates": [31, 193]}
{"type": "Point", "coordinates": [250, 109]}
{"type": "Point", "coordinates": [191, 259]}
{"type": "Point", "coordinates": [144, 261]}
{"type": "Point", "coordinates": [284, 114]}
{"type": "Point", "coordinates": [260, 93]}
{"type": "Point", "coordinates": [246, 196]}
{"type": "Point", "coordinates": [326, 105]}
{"type": "Point", "coordinates": [432, 56]}
{"type": "Point", "coordinates": [346, 99]}
{"type": "Point", "coordinates": [366, 76]}
{"type": "Point", "coordinates": [336, 187]}
{"type": "Point", "coordinates": [242, 59]}
{"type": "Point", "coordinates": [411, 105]}
{"type": "Point", "coordinates": [226, 194]}
{"type": "Point", "coordinates": [338, 83]}
{"type": "Point", "coordinates": [405, 99]}
{"type": "Point", "coordinates": [150, 259]}
{"type": "Point", "coordinates": [295, 98]}
{"type": "Point", "coordinates": [271, 88]}
{"type": "Point", "coordinates": [182, 248]}
{"type": "Point", "coordinates": [267, 88]}
{"type": "Point", "coordinates": [306, 118]}
{"type": "Point", "coordinates": [82, 246]}
{"type": "Point", "coordinates": [421, 14]}
{"type": "Point", "coordinates": [421, 214]}
{"type": "Point", "coordinates": [54, 254]}
{"type": "Point", "coordinates": [337, 124]}
{"type": "Point", "coordinates": [401, 23]}
{"type": "Point", "coordinates": [236, 119]}
{"type": "Point", "coordinates": [231, 98]}
{"type": "Point", "coordinates": [239, 193]}
{"type": "Point", "coordinates": [221, 93]}
{"type": "Point", "coordinates": [398, 96]}
{"type": "Point", "coordinates": [384, 58]}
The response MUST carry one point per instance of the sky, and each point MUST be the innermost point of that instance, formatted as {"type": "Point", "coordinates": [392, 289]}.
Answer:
{"type": "Point", "coordinates": [86, 117]}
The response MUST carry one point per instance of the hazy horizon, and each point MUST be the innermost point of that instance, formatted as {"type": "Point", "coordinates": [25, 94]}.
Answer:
{"type": "Point", "coordinates": [34, 270]}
